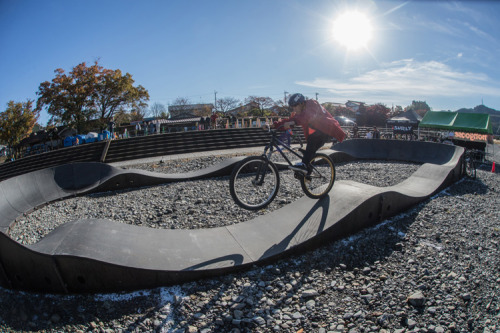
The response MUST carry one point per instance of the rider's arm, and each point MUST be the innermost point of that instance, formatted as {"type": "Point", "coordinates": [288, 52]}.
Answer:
{"type": "Point", "coordinates": [289, 124]}
{"type": "Point", "coordinates": [280, 123]}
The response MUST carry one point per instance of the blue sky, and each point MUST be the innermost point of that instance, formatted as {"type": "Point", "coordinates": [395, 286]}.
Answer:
{"type": "Point", "coordinates": [442, 52]}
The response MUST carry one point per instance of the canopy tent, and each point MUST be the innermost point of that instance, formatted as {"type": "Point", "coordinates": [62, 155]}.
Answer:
{"type": "Point", "coordinates": [405, 122]}
{"type": "Point", "coordinates": [409, 116]}
{"type": "Point", "coordinates": [454, 121]}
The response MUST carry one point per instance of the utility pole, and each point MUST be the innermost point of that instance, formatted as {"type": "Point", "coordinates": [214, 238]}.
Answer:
{"type": "Point", "coordinates": [215, 103]}
{"type": "Point", "coordinates": [284, 100]}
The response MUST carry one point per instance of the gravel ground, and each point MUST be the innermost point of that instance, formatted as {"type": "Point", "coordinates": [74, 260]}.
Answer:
{"type": "Point", "coordinates": [435, 268]}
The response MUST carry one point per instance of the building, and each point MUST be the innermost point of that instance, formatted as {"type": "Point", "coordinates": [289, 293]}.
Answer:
{"type": "Point", "coordinates": [243, 109]}
{"type": "Point", "coordinates": [353, 105]}
{"type": "Point", "coordinates": [190, 111]}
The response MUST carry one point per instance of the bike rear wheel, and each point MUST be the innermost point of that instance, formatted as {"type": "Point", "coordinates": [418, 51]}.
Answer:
{"type": "Point", "coordinates": [254, 183]}
{"type": "Point", "coordinates": [320, 181]}
{"type": "Point", "coordinates": [470, 167]}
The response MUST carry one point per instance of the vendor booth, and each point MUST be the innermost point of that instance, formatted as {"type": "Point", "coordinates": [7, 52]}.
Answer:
{"type": "Point", "coordinates": [469, 130]}
{"type": "Point", "coordinates": [405, 123]}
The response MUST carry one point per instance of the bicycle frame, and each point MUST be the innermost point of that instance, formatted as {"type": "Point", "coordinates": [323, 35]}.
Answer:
{"type": "Point", "coordinates": [275, 143]}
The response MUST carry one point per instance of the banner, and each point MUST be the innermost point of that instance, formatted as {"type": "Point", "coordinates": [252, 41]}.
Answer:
{"type": "Point", "coordinates": [402, 129]}
{"type": "Point", "coordinates": [471, 136]}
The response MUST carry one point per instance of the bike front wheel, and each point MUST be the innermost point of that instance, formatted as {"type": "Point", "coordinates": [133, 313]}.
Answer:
{"type": "Point", "coordinates": [254, 183]}
{"type": "Point", "coordinates": [320, 181]}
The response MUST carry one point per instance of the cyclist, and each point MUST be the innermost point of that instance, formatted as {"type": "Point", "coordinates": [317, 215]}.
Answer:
{"type": "Point", "coordinates": [319, 127]}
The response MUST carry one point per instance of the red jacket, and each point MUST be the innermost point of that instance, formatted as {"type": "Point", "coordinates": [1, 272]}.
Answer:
{"type": "Point", "coordinates": [315, 118]}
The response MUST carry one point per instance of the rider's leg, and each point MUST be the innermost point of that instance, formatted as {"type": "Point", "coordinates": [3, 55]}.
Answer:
{"type": "Point", "coordinates": [314, 142]}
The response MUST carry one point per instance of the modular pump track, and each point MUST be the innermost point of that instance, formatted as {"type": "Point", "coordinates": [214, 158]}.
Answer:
{"type": "Point", "coordinates": [98, 255]}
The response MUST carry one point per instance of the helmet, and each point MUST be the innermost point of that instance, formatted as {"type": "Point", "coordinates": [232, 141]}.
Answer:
{"type": "Point", "coordinates": [296, 99]}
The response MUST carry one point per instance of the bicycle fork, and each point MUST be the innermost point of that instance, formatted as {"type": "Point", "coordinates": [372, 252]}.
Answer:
{"type": "Point", "coordinates": [261, 172]}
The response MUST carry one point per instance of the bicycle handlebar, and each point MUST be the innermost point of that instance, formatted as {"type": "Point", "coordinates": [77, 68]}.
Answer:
{"type": "Point", "coordinates": [271, 128]}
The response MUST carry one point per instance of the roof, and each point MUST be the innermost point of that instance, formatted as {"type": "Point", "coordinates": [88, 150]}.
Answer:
{"type": "Point", "coordinates": [409, 116]}
{"type": "Point", "coordinates": [454, 121]}
{"type": "Point", "coordinates": [178, 121]}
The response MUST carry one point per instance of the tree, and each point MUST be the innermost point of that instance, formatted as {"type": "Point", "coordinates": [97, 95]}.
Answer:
{"type": "Point", "coordinates": [338, 110]}
{"type": "Point", "coordinates": [158, 110]}
{"type": "Point", "coordinates": [138, 113]}
{"type": "Point", "coordinates": [264, 103]}
{"type": "Point", "coordinates": [281, 109]}
{"type": "Point", "coordinates": [227, 103]}
{"type": "Point", "coordinates": [17, 122]}
{"type": "Point", "coordinates": [373, 115]}
{"type": "Point", "coordinates": [86, 93]}
{"type": "Point", "coordinates": [69, 99]}
{"type": "Point", "coordinates": [122, 116]}
{"type": "Point", "coordinates": [398, 109]}
{"type": "Point", "coordinates": [377, 114]}
{"type": "Point", "coordinates": [182, 101]}
{"type": "Point", "coordinates": [420, 107]}
{"type": "Point", "coordinates": [114, 91]}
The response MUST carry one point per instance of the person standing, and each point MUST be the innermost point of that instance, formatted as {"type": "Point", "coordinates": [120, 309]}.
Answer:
{"type": "Point", "coordinates": [355, 131]}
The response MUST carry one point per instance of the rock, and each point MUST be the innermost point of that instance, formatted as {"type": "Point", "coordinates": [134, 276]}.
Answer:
{"type": "Point", "coordinates": [309, 293]}
{"type": "Point", "coordinates": [411, 324]}
{"type": "Point", "coordinates": [416, 299]}
{"type": "Point", "coordinates": [259, 321]}
{"type": "Point", "coordinates": [355, 284]}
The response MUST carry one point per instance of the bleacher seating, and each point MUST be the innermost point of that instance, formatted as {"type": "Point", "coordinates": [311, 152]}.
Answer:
{"type": "Point", "coordinates": [140, 147]}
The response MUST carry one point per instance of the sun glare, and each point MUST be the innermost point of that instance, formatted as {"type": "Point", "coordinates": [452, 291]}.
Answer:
{"type": "Point", "coordinates": [352, 30]}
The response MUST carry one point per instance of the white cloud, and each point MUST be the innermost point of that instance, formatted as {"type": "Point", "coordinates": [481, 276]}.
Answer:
{"type": "Point", "coordinates": [407, 80]}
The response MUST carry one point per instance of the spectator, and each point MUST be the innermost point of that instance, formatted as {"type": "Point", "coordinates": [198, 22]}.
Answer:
{"type": "Point", "coordinates": [213, 120]}
{"type": "Point", "coordinates": [376, 133]}
{"type": "Point", "coordinates": [355, 131]}
{"type": "Point", "coordinates": [111, 126]}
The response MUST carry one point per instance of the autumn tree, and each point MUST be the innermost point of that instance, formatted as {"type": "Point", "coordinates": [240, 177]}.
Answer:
{"type": "Point", "coordinates": [373, 115]}
{"type": "Point", "coordinates": [69, 99]}
{"type": "Point", "coordinates": [138, 113]}
{"type": "Point", "coordinates": [88, 92]}
{"type": "Point", "coordinates": [114, 91]}
{"type": "Point", "coordinates": [378, 114]}
{"type": "Point", "coordinates": [122, 116]}
{"type": "Point", "coordinates": [17, 122]}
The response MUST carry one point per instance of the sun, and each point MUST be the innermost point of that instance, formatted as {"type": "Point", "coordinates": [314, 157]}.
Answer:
{"type": "Point", "coordinates": [353, 30]}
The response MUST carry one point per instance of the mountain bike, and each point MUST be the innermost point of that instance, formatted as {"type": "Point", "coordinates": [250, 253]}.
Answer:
{"type": "Point", "coordinates": [255, 181]}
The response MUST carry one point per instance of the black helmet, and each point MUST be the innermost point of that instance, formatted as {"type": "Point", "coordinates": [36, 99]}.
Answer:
{"type": "Point", "coordinates": [296, 99]}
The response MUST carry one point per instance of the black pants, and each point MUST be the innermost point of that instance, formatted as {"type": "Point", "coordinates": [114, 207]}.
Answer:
{"type": "Point", "coordinates": [314, 142]}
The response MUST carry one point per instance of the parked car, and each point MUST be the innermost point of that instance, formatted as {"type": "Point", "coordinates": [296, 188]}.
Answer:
{"type": "Point", "coordinates": [344, 121]}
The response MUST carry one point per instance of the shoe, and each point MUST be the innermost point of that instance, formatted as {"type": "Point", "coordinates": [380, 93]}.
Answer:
{"type": "Point", "coordinates": [299, 167]}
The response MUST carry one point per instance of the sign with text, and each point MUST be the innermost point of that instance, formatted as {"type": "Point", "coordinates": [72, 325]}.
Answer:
{"type": "Point", "coordinates": [471, 136]}
{"type": "Point", "coordinates": [402, 129]}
